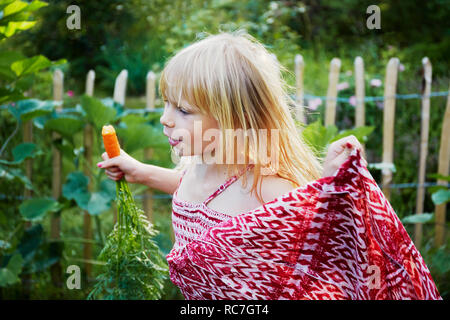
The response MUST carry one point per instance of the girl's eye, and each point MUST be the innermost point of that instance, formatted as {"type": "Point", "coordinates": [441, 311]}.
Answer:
{"type": "Point", "coordinates": [182, 111]}
{"type": "Point", "coordinates": [166, 103]}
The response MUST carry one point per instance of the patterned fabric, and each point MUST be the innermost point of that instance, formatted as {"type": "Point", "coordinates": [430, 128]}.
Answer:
{"type": "Point", "coordinates": [335, 238]}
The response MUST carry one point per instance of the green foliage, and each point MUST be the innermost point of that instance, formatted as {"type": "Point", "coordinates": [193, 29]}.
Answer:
{"type": "Point", "coordinates": [320, 137]}
{"type": "Point", "coordinates": [139, 135]}
{"type": "Point", "coordinates": [441, 196]}
{"type": "Point", "coordinates": [24, 151]}
{"type": "Point", "coordinates": [96, 112]}
{"type": "Point", "coordinates": [15, 15]}
{"type": "Point", "coordinates": [419, 218]}
{"type": "Point", "coordinates": [76, 188]}
{"type": "Point", "coordinates": [9, 274]}
{"type": "Point", "coordinates": [35, 209]}
{"type": "Point", "coordinates": [135, 267]}
{"type": "Point", "coordinates": [25, 110]}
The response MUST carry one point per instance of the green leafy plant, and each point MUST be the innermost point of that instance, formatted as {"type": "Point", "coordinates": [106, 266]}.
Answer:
{"type": "Point", "coordinates": [135, 267]}
{"type": "Point", "coordinates": [319, 137]}
{"type": "Point", "coordinates": [440, 193]}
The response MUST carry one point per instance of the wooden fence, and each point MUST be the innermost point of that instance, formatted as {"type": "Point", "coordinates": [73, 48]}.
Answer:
{"type": "Point", "coordinates": [390, 85]}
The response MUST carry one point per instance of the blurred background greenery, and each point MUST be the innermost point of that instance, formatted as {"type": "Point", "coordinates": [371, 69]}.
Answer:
{"type": "Point", "coordinates": [140, 36]}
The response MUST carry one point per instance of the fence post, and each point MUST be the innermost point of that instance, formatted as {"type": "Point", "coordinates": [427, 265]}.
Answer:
{"type": "Point", "coordinates": [443, 168]}
{"type": "Point", "coordinates": [333, 78]}
{"type": "Point", "coordinates": [88, 151]}
{"type": "Point", "coordinates": [360, 118]}
{"type": "Point", "coordinates": [390, 88]}
{"type": "Point", "coordinates": [120, 87]}
{"type": "Point", "coordinates": [27, 138]}
{"type": "Point", "coordinates": [299, 95]}
{"type": "Point", "coordinates": [426, 90]}
{"type": "Point", "coordinates": [55, 223]}
{"type": "Point", "coordinates": [360, 112]}
{"type": "Point", "coordinates": [148, 152]}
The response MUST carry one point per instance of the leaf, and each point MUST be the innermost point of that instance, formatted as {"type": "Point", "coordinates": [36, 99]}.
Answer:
{"type": "Point", "coordinates": [35, 5]}
{"type": "Point", "coordinates": [6, 59]}
{"type": "Point", "coordinates": [98, 203]}
{"type": "Point", "coordinates": [76, 188]}
{"type": "Point", "coordinates": [139, 136]}
{"type": "Point", "coordinates": [30, 108]}
{"type": "Point", "coordinates": [36, 209]}
{"type": "Point", "coordinates": [418, 218]}
{"type": "Point", "coordinates": [26, 150]}
{"type": "Point", "coordinates": [361, 133]}
{"type": "Point", "coordinates": [7, 94]}
{"type": "Point", "coordinates": [66, 126]}
{"type": "Point", "coordinates": [13, 26]}
{"type": "Point", "coordinates": [30, 241]}
{"type": "Point", "coordinates": [15, 173]}
{"type": "Point", "coordinates": [21, 152]}
{"type": "Point", "coordinates": [96, 112]}
{"type": "Point", "coordinates": [14, 7]}
{"type": "Point", "coordinates": [439, 176]}
{"type": "Point", "coordinates": [30, 65]}
{"type": "Point", "coordinates": [433, 189]}
{"type": "Point", "coordinates": [9, 275]}
{"type": "Point", "coordinates": [108, 189]}
{"type": "Point", "coordinates": [319, 136]}
{"type": "Point", "coordinates": [441, 196]}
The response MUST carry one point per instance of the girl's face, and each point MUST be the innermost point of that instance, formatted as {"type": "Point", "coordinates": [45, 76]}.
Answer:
{"type": "Point", "coordinates": [185, 127]}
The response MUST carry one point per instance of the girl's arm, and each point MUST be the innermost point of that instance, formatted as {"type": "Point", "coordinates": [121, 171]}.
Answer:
{"type": "Point", "coordinates": [163, 179]}
{"type": "Point", "coordinates": [134, 171]}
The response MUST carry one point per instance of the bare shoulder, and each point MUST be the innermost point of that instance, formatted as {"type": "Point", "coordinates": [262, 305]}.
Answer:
{"type": "Point", "coordinates": [274, 186]}
{"type": "Point", "coordinates": [243, 200]}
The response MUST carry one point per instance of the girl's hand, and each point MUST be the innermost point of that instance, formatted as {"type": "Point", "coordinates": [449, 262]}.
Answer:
{"type": "Point", "coordinates": [338, 152]}
{"type": "Point", "coordinates": [122, 166]}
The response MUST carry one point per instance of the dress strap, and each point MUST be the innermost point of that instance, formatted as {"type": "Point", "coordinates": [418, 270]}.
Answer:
{"type": "Point", "coordinates": [226, 184]}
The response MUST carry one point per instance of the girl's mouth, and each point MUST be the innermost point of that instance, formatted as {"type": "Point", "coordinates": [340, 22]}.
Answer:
{"type": "Point", "coordinates": [173, 142]}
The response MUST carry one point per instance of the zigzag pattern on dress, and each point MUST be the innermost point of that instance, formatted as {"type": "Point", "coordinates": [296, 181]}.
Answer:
{"type": "Point", "coordinates": [335, 238]}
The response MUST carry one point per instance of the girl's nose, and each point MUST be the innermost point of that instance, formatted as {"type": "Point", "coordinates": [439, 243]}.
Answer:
{"type": "Point", "coordinates": [166, 121]}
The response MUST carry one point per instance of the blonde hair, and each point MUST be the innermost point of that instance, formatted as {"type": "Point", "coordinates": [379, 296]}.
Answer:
{"type": "Point", "coordinates": [233, 78]}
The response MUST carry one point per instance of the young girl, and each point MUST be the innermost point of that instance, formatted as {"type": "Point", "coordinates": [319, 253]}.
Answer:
{"type": "Point", "coordinates": [227, 117]}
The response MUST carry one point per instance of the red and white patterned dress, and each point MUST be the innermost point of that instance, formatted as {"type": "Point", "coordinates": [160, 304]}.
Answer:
{"type": "Point", "coordinates": [334, 238]}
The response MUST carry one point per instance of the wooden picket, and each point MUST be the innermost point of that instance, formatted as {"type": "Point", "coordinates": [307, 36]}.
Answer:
{"type": "Point", "coordinates": [299, 96]}
{"type": "Point", "coordinates": [88, 138]}
{"type": "Point", "coordinates": [390, 88]}
{"type": "Point", "coordinates": [333, 78]}
{"type": "Point", "coordinates": [148, 152]}
{"type": "Point", "coordinates": [360, 112]}
{"type": "Point", "coordinates": [27, 138]}
{"type": "Point", "coordinates": [120, 87]}
{"type": "Point", "coordinates": [55, 224]}
{"type": "Point", "coordinates": [443, 169]}
{"type": "Point", "coordinates": [426, 90]}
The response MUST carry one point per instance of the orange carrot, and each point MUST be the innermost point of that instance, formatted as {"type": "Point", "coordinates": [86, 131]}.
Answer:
{"type": "Point", "coordinates": [110, 141]}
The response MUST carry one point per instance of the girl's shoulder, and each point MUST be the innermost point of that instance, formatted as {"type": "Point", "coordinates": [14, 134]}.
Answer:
{"type": "Point", "coordinates": [274, 186]}
{"type": "Point", "coordinates": [238, 199]}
